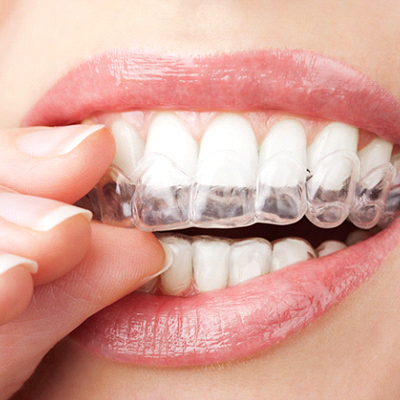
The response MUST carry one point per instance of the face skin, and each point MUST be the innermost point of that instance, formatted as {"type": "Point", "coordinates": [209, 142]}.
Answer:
{"type": "Point", "coordinates": [351, 352]}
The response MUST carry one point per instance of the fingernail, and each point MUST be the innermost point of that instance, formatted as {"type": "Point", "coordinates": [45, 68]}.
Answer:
{"type": "Point", "coordinates": [35, 212]}
{"type": "Point", "coordinates": [55, 141]}
{"type": "Point", "coordinates": [167, 264]}
{"type": "Point", "coordinates": [169, 257]}
{"type": "Point", "coordinates": [9, 261]}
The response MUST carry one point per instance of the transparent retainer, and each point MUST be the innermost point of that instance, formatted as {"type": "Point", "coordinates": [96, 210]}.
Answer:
{"type": "Point", "coordinates": [280, 190]}
{"type": "Point", "coordinates": [392, 204]}
{"type": "Point", "coordinates": [222, 192]}
{"type": "Point", "coordinates": [371, 196]}
{"type": "Point", "coordinates": [161, 196]}
{"type": "Point", "coordinates": [331, 187]}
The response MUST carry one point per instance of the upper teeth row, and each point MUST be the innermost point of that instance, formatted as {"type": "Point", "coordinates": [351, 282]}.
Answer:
{"type": "Point", "coordinates": [230, 181]}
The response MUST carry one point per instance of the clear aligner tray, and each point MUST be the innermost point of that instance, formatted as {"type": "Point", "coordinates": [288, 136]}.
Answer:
{"type": "Point", "coordinates": [160, 196]}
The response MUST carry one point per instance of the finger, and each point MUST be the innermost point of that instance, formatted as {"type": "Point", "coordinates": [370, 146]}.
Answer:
{"type": "Point", "coordinates": [58, 163]}
{"type": "Point", "coordinates": [16, 285]}
{"type": "Point", "coordinates": [54, 234]}
{"type": "Point", "coordinates": [118, 260]}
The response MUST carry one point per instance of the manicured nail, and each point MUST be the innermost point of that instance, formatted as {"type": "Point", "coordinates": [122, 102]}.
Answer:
{"type": "Point", "coordinates": [55, 141]}
{"type": "Point", "coordinates": [167, 264]}
{"type": "Point", "coordinates": [9, 261]}
{"type": "Point", "coordinates": [35, 212]}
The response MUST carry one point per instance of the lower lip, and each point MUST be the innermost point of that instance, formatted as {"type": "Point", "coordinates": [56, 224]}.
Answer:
{"type": "Point", "coordinates": [235, 322]}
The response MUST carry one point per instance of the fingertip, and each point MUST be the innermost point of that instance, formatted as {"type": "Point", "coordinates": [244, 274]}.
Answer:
{"type": "Point", "coordinates": [67, 244]}
{"type": "Point", "coordinates": [16, 289]}
{"type": "Point", "coordinates": [61, 163]}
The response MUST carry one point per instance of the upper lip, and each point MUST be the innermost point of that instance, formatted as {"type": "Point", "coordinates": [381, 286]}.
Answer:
{"type": "Point", "coordinates": [296, 81]}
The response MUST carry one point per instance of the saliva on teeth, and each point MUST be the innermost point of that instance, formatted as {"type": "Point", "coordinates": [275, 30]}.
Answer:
{"type": "Point", "coordinates": [170, 182]}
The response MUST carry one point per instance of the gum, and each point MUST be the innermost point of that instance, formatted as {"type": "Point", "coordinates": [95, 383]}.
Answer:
{"type": "Point", "coordinates": [161, 196]}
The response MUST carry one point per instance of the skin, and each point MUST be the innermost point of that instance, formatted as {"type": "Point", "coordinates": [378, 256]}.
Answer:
{"type": "Point", "coordinates": [352, 352]}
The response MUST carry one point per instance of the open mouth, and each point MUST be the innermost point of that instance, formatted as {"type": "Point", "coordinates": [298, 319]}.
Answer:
{"type": "Point", "coordinates": [278, 188]}
{"type": "Point", "coordinates": [218, 170]}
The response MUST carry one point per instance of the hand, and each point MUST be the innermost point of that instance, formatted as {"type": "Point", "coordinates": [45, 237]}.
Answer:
{"type": "Point", "coordinates": [81, 266]}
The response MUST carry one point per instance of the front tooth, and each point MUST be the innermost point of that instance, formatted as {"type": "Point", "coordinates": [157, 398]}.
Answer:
{"type": "Point", "coordinates": [290, 251]}
{"type": "Point", "coordinates": [163, 178]}
{"type": "Point", "coordinates": [178, 278]}
{"type": "Point", "coordinates": [232, 133]}
{"type": "Point", "coordinates": [168, 136]}
{"type": "Point", "coordinates": [130, 146]}
{"type": "Point", "coordinates": [280, 196]}
{"type": "Point", "coordinates": [334, 169]}
{"type": "Point", "coordinates": [287, 135]}
{"type": "Point", "coordinates": [249, 259]}
{"type": "Point", "coordinates": [210, 263]}
{"type": "Point", "coordinates": [225, 173]}
{"type": "Point", "coordinates": [329, 247]}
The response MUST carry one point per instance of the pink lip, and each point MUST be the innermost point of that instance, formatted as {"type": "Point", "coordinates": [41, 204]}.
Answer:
{"type": "Point", "coordinates": [234, 322]}
{"type": "Point", "coordinates": [296, 81]}
{"type": "Point", "coordinates": [239, 321]}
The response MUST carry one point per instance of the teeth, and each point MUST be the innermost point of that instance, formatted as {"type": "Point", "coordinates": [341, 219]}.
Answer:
{"type": "Point", "coordinates": [335, 136]}
{"type": "Point", "coordinates": [249, 259]}
{"type": "Point", "coordinates": [290, 251]}
{"type": "Point", "coordinates": [287, 135]}
{"type": "Point", "coordinates": [130, 147]}
{"type": "Point", "coordinates": [213, 263]}
{"type": "Point", "coordinates": [280, 194]}
{"type": "Point", "coordinates": [225, 184]}
{"type": "Point", "coordinates": [162, 194]}
{"type": "Point", "coordinates": [329, 247]}
{"type": "Point", "coordinates": [168, 136]}
{"type": "Point", "coordinates": [373, 155]}
{"type": "Point", "coordinates": [373, 188]}
{"type": "Point", "coordinates": [334, 170]}
{"type": "Point", "coordinates": [178, 278]}
{"type": "Point", "coordinates": [210, 263]}
{"type": "Point", "coordinates": [231, 133]}
{"type": "Point", "coordinates": [225, 173]}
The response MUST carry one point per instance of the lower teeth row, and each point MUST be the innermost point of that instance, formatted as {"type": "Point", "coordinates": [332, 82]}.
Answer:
{"type": "Point", "coordinates": [202, 263]}
{"type": "Point", "coordinates": [163, 197]}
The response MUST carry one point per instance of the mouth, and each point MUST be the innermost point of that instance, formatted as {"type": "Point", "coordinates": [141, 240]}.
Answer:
{"type": "Point", "coordinates": [224, 158]}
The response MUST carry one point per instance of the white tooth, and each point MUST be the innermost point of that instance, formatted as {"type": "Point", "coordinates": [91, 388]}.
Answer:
{"type": "Point", "coordinates": [249, 259]}
{"type": "Point", "coordinates": [210, 263]}
{"type": "Point", "coordinates": [280, 195]}
{"type": "Point", "coordinates": [373, 155]}
{"type": "Point", "coordinates": [329, 247]}
{"type": "Point", "coordinates": [130, 146]}
{"type": "Point", "coordinates": [287, 135]}
{"type": "Point", "coordinates": [290, 251]}
{"type": "Point", "coordinates": [178, 277]}
{"type": "Point", "coordinates": [332, 161]}
{"type": "Point", "coordinates": [229, 137]}
{"type": "Point", "coordinates": [335, 136]}
{"type": "Point", "coordinates": [168, 136]}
